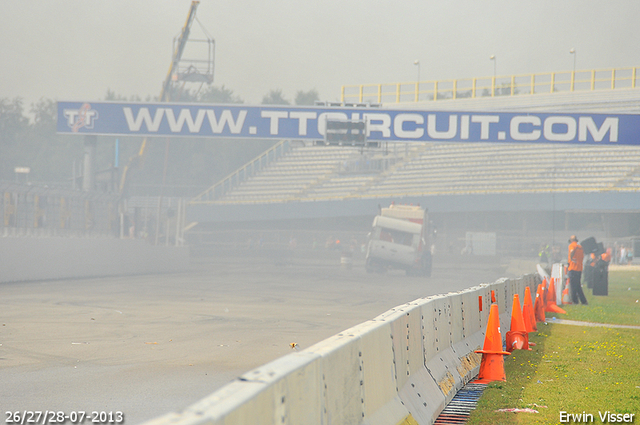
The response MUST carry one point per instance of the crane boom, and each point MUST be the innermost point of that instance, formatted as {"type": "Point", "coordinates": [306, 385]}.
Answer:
{"type": "Point", "coordinates": [177, 54]}
{"type": "Point", "coordinates": [164, 94]}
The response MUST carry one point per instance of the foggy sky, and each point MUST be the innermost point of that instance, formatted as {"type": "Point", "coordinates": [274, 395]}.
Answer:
{"type": "Point", "coordinates": [77, 49]}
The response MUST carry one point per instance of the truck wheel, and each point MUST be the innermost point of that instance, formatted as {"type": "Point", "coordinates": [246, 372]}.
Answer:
{"type": "Point", "coordinates": [372, 266]}
{"type": "Point", "coordinates": [427, 262]}
{"type": "Point", "coordinates": [369, 266]}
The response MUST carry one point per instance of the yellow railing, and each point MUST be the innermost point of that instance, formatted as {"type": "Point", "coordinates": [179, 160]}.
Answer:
{"type": "Point", "coordinates": [553, 82]}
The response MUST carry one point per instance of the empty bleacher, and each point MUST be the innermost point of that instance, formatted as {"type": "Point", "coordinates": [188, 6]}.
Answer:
{"type": "Point", "coordinates": [311, 173]}
{"type": "Point", "coordinates": [287, 178]}
{"type": "Point", "coordinates": [499, 168]}
{"type": "Point", "coordinates": [314, 173]}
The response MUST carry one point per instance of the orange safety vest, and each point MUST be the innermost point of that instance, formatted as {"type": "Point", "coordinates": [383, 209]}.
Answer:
{"type": "Point", "coordinates": [576, 254]}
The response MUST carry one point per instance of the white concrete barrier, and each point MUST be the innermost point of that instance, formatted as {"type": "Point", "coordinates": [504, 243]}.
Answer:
{"type": "Point", "coordinates": [442, 365]}
{"type": "Point", "coordinates": [502, 299]}
{"type": "Point", "coordinates": [26, 258]}
{"type": "Point", "coordinates": [400, 368]}
{"type": "Point", "coordinates": [472, 336]}
{"type": "Point", "coordinates": [380, 383]}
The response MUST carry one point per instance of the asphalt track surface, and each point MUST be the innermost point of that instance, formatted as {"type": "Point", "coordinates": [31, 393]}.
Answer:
{"type": "Point", "coordinates": [148, 345]}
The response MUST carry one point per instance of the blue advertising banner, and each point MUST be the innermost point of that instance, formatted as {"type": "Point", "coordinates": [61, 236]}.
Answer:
{"type": "Point", "coordinates": [289, 122]}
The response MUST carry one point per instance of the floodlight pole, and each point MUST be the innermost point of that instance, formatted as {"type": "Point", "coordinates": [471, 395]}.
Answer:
{"type": "Point", "coordinates": [493, 82]}
{"type": "Point", "coordinates": [573, 74]}
{"type": "Point", "coordinates": [417, 97]}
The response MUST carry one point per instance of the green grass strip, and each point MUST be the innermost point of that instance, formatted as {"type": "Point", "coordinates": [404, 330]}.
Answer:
{"type": "Point", "coordinates": [574, 369]}
{"type": "Point", "coordinates": [621, 306]}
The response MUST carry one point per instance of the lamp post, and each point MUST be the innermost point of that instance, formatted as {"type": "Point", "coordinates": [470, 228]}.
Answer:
{"type": "Point", "coordinates": [493, 82]}
{"type": "Point", "coordinates": [417, 97]}
{"type": "Point", "coordinates": [573, 74]}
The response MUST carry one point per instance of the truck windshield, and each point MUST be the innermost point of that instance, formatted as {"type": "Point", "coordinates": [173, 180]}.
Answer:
{"type": "Point", "coordinates": [396, 236]}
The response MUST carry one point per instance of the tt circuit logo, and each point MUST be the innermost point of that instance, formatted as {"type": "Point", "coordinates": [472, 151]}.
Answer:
{"type": "Point", "coordinates": [84, 117]}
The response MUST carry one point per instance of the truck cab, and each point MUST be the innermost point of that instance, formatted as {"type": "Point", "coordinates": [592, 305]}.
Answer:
{"type": "Point", "coordinates": [398, 240]}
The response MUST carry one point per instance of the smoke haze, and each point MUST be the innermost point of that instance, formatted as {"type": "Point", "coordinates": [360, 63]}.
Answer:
{"type": "Point", "coordinates": [77, 49]}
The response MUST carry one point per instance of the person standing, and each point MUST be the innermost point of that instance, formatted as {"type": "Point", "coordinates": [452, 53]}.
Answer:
{"type": "Point", "coordinates": [576, 255]}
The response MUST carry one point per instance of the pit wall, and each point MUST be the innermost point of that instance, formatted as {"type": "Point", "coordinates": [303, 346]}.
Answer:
{"type": "Point", "coordinates": [402, 367]}
{"type": "Point", "coordinates": [30, 258]}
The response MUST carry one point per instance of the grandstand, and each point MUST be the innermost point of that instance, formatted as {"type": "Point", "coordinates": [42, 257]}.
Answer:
{"type": "Point", "coordinates": [313, 173]}
{"type": "Point", "coordinates": [304, 170]}
{"type": "Point", "coordinates": [530, 180]}
{"type": "Point", "coordinates": [317, 173]}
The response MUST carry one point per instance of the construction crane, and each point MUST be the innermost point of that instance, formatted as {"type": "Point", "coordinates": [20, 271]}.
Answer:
{"type": "Point", "coordinates": [178, 51]}
{"type": "Point", "coordinates": [174, 75]}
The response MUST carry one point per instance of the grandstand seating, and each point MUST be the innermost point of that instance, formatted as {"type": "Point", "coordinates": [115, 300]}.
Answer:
{"type": "Point", "coordinates": [291, 175]}
{"type": "Point", "coordinates": [470, 168]}
{"type": "Point", "coordinates": [313, 173]}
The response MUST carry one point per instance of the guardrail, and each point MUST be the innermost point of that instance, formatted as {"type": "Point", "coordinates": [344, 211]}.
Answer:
{"type": "Point", "coordinates": [218, 190]}
{"type": "Point", "coordinates": [402, 367]}
{"type": "Point", "coordinates": [510, 85]}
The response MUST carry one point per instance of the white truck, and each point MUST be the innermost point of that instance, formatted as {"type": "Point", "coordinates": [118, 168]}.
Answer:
{"type": "Point", "coordinates": [400, 239]}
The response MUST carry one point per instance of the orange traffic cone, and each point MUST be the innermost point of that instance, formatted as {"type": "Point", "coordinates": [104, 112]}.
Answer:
{"type": "Point", "coordinates": [538, 306]}
{"type": "Point", "coordinates": [493, 297]}
{"type": "Point", "coordinates": [527, 312]}
{"type": "Point", "coordinates": [544, 292]}
{"type": "Point", "coordinates": [551, 305]}
{"type": "Point", "coordinates": [551, 296]}
{"type": "Point", "coordinates": [566, 298]}
{"type": "Point", "coordinates": [492, 364]}
{"type": "Point", "coordinates": [554, 308]}
{"type": "Point", "coordinates": [545, 297]}
{"type": "Point", "coordinates": [517, 337]}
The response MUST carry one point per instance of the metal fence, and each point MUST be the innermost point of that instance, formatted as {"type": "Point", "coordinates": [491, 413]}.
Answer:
{"type": "Point", "coordinates": [158, 219]}
{"type": "Point", "coordinates": [40, 210]}
{"type": "Point", "coordinates": [510, 85]}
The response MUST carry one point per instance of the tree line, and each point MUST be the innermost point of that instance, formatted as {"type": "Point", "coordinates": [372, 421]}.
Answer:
{"type": "Point", "coordinates": [28, 139]}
